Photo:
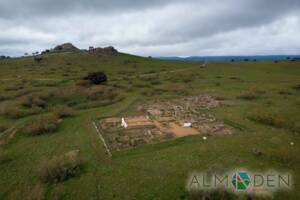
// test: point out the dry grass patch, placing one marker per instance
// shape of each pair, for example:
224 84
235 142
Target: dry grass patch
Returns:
268 117
251 94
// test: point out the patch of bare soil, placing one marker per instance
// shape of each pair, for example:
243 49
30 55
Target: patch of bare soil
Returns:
176 129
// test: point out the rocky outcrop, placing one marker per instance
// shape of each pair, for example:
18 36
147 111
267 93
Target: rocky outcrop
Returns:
69 47
66 47
103 51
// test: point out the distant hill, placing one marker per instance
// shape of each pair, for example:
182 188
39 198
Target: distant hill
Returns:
234 58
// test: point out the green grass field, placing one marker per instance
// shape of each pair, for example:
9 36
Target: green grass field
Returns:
263 108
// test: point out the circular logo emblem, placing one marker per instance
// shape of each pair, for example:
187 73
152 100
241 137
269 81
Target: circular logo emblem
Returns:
240 180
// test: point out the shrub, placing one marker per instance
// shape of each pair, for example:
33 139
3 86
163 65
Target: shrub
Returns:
3 97
4 157
83 83
67 94
186 79
37 59
13 112
297 87
248 95
155 82
96 77
285 92
63 111
14 87
268 118
60 168
3 128
42 125
33 101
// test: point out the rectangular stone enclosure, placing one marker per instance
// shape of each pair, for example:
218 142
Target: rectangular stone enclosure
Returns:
162 121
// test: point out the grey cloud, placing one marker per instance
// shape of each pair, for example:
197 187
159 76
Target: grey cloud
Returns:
44 8
156 27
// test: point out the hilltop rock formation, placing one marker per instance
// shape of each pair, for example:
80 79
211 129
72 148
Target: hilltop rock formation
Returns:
66 47
103 51
69 47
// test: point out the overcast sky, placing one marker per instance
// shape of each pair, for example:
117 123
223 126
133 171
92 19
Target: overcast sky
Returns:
153 27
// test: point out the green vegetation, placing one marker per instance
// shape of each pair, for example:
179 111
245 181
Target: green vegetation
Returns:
50 99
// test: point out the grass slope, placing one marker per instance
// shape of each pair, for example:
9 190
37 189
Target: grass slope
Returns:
157 171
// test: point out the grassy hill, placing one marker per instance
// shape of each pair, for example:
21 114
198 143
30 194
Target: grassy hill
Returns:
46 111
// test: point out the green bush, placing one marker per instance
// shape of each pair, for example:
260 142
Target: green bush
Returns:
60 168
268 118
42 125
